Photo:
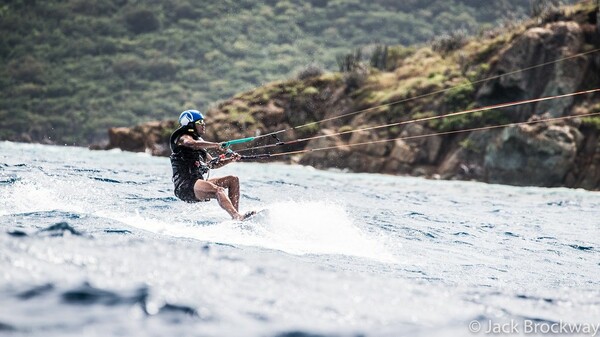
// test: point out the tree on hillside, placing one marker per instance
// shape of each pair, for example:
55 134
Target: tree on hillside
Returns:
141 21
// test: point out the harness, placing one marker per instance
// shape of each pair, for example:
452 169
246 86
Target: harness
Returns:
187 163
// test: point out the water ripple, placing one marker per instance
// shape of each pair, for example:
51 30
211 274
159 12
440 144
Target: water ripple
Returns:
88 295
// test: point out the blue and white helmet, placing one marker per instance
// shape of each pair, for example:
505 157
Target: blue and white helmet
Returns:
189 116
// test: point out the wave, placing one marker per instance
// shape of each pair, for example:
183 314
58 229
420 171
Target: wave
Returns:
293 227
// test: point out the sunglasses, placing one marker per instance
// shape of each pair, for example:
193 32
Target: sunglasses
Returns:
200 122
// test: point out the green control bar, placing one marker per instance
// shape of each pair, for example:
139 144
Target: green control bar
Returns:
236 141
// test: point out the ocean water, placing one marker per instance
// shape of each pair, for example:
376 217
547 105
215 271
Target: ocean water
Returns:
95 244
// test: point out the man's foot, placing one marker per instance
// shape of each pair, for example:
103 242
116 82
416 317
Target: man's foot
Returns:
248 215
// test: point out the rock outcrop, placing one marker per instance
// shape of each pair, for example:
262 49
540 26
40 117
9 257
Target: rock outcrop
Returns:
151 137
538 45
538 154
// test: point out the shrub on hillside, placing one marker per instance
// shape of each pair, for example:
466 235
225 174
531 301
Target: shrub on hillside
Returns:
26 69
312 70
350 62
153 69
127 66
141 21
379 57
30 90
356 78
446 43
185 11
160 69
396 54
459 97
92 8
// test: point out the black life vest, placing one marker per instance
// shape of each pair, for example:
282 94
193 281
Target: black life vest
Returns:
188 164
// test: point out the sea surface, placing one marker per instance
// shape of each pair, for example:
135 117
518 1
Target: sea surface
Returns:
93 243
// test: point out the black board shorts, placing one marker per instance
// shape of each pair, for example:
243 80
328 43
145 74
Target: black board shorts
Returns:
185 191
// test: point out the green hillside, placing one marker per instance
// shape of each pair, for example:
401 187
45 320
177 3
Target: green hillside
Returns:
70 69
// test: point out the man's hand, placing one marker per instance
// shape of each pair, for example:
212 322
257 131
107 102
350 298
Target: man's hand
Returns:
222 147
228 158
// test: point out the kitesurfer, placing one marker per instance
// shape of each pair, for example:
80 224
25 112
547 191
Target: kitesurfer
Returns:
191 161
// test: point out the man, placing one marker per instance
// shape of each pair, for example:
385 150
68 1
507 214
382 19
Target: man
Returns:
191 161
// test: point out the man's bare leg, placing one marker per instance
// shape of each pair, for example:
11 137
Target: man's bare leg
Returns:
232 184
206 189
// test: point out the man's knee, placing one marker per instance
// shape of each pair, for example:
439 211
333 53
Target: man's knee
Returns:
233 180
220 192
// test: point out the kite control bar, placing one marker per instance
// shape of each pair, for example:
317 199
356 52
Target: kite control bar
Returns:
236 141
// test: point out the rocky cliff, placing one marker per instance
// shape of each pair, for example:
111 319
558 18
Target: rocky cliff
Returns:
495 67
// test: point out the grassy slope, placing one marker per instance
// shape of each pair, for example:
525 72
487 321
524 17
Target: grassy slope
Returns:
70 69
